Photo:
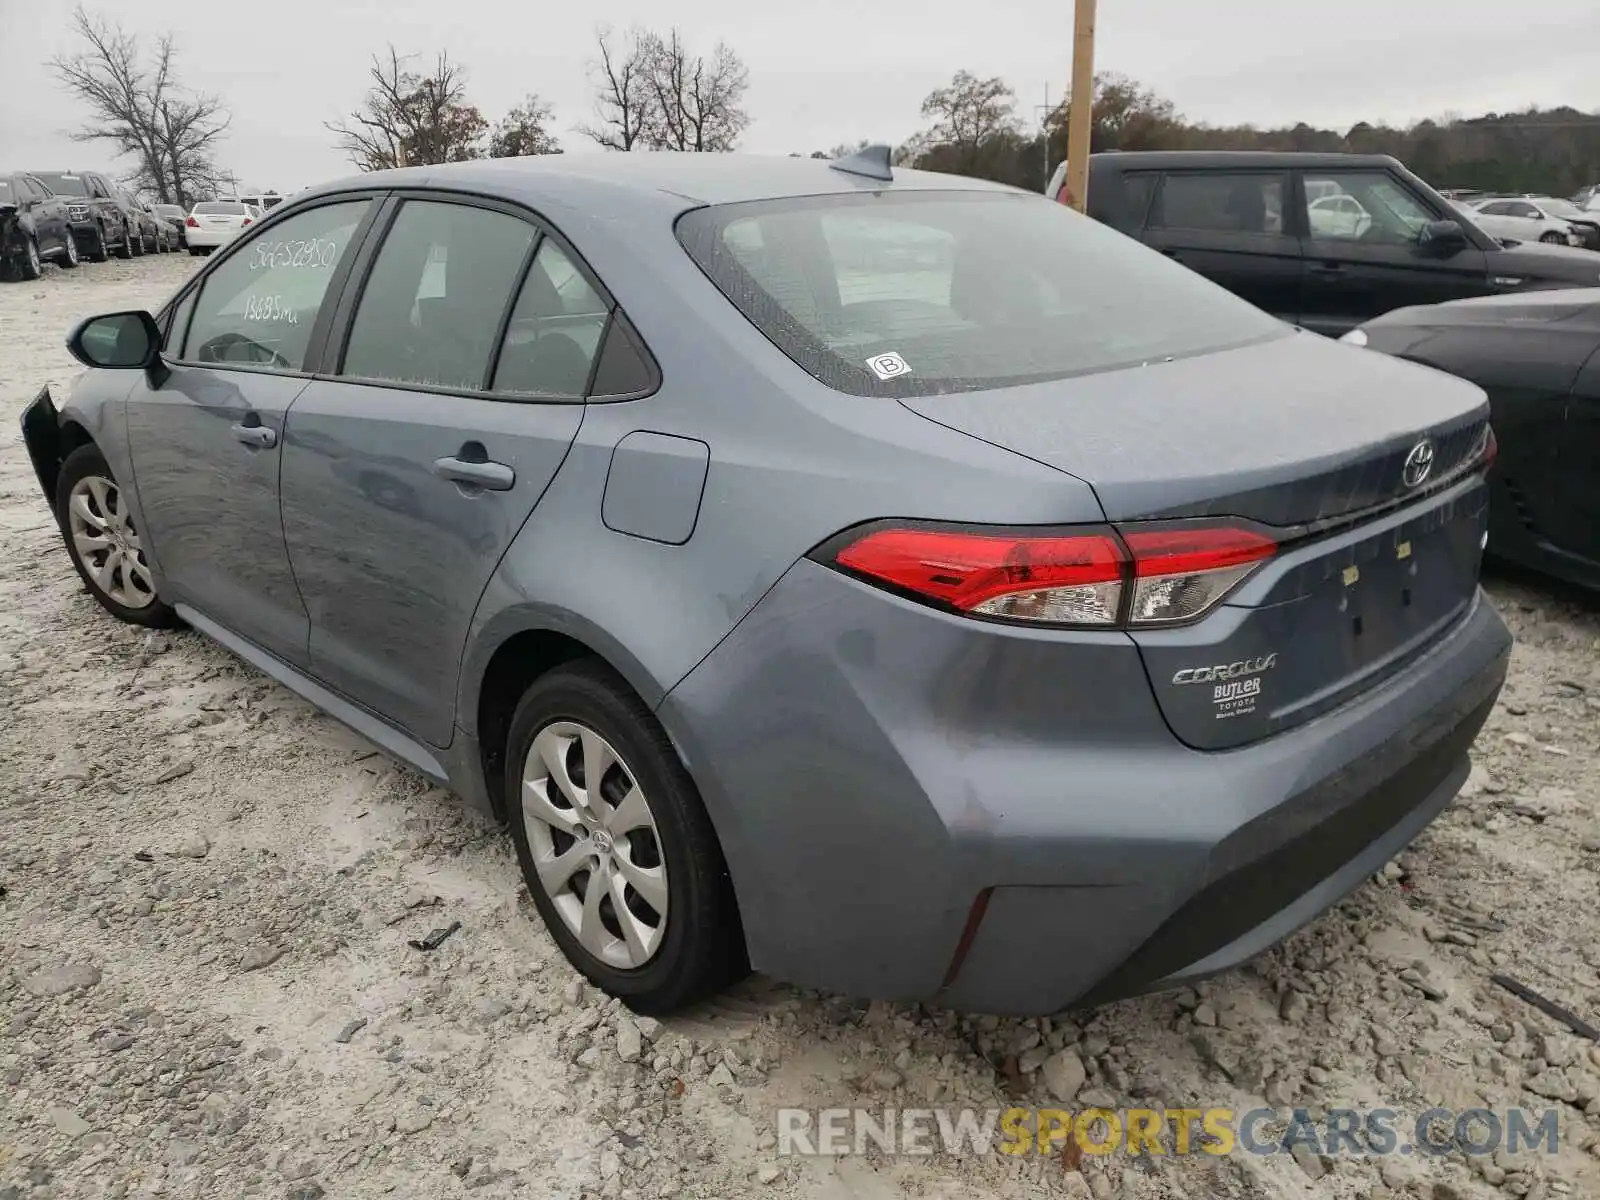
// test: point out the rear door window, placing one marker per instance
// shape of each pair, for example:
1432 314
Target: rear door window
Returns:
1215 202
919 292
436 297
1138 190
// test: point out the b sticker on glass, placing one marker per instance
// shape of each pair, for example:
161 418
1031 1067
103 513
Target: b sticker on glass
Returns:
888 366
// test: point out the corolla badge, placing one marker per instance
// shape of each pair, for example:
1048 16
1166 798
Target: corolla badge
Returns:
1233 670
1419 463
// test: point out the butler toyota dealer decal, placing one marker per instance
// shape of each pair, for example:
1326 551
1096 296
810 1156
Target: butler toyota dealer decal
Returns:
1235 686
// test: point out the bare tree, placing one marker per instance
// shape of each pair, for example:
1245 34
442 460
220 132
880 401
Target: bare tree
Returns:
969 112
407 119
137 105
622 101
523 131
694 101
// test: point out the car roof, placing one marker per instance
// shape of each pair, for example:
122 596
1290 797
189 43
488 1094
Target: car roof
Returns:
1144 160
650 180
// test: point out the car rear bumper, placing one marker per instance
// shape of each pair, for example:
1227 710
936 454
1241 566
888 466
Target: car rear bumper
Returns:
917 806
211 237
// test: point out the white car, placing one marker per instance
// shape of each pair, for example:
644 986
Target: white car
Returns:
213 223
1522 220
1338 215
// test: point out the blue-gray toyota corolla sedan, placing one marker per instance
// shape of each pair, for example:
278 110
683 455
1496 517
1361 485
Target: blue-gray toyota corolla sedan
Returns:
895 583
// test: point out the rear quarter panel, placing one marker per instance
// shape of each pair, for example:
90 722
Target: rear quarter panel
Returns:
791 462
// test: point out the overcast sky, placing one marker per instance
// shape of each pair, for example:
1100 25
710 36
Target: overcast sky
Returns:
821 71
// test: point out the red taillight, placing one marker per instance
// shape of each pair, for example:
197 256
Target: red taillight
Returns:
192 223
1491 448
246 221
1101 577
1072 580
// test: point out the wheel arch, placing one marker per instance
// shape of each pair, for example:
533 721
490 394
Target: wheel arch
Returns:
504 659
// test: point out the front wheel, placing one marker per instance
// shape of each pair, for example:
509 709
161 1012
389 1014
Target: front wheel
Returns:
105 546
30 265
98 252
125 246
615 845
1553 239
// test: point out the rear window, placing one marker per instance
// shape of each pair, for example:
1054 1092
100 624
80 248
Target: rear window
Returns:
916 293
64 185
220 208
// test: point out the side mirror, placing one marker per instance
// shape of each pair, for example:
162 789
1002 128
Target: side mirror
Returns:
117 341
1442 238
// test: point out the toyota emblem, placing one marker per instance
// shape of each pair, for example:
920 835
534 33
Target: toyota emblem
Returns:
1418 464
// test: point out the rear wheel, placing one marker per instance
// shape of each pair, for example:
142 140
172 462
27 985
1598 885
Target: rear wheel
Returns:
105 546
615 845
195 251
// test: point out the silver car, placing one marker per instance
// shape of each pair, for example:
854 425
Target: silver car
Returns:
896 583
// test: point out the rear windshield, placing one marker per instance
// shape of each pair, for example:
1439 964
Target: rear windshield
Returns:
221 208
169 210
64 185
915 293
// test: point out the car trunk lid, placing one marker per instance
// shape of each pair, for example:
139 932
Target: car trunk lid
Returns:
1317 442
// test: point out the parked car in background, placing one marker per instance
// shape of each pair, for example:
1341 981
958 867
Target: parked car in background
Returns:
1521 220
263 201
149 229
1587 224
99 223
213 223
176 218
35 227
171 223
1586 197
1537 356
1242 219
872 685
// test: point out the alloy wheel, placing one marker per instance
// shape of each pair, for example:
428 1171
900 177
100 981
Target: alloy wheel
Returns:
595 844
35 268
107 543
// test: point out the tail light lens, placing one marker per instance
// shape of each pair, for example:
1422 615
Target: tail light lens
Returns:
246 221
1135 576
1488 448
192 223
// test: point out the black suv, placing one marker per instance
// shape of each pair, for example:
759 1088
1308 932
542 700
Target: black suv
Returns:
34 226
99 222
1325 241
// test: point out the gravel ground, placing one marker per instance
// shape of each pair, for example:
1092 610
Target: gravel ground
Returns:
206 987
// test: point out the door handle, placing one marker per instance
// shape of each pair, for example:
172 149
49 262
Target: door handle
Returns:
259 436
495 477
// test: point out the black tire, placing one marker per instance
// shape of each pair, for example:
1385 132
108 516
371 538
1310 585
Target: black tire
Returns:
98 252
194 251
1553 239
702 949
83 463
69 252
29 265
125 246
136 241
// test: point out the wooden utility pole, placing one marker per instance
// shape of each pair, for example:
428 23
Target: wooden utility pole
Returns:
1080 116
